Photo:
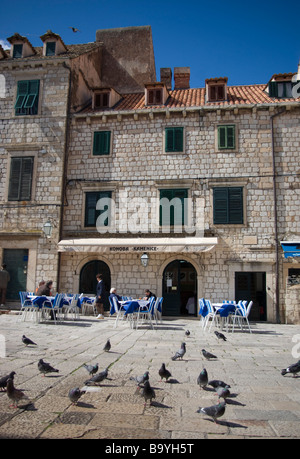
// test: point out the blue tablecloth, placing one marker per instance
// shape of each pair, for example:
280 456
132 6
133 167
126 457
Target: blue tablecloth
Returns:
227 309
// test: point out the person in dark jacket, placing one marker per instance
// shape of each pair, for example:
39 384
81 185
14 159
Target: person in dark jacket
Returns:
100 296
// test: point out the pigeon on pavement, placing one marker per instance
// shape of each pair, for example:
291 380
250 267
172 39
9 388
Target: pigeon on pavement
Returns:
215 383
75 394
220 336
27 341
148 392
92 369
202 379
46 368
208 355
97 378
15 395
3 380
223 392
214 411
179 354
107 346
294 369
141 379
187 333
164 373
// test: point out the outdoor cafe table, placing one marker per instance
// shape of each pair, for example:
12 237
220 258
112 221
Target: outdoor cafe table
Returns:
132 306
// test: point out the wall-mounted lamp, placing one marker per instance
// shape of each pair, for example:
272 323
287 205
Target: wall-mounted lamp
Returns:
47 228
144 259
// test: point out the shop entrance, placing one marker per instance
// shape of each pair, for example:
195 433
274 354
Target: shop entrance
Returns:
179 289
16 261
251 286
88 282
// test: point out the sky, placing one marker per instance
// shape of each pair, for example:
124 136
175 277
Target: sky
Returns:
245 41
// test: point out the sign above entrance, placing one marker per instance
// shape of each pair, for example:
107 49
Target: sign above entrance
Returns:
137 245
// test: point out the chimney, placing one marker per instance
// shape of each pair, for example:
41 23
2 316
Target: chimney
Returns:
166 77
182 77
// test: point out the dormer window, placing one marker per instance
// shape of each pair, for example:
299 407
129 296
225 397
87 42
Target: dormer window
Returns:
50 48
281 85
156 94
216 89
105 98
17 51
101 100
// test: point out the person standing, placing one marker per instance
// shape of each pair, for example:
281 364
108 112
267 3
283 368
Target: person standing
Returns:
4 279
100 296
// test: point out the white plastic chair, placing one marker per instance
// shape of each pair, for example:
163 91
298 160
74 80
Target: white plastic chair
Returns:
144 314
55 307
118 310
157 309
241 314
27 307
72 307
86 305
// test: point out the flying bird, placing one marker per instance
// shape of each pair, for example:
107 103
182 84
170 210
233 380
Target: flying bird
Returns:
148 392
202 379
15 395
208 355
4 379
214 411
107 346
220 336
75 394
179 354
46 368
27 341
294 369
164 373
91 369
74 29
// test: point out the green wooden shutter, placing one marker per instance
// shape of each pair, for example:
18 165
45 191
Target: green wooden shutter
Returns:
230 136
273 89
21 94
27 97
235 211
228 205
91 213
222 137
176 212
226 137
101 144
220 203
20 180
174 139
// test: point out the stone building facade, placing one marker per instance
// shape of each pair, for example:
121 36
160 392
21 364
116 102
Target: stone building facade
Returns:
225 156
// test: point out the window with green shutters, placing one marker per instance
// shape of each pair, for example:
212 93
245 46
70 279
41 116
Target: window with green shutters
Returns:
27 97
173 209
20 180
101 145
174 139
282 89
228 205
97 214
226 137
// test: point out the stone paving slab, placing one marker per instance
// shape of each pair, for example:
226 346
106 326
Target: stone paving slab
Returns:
263 403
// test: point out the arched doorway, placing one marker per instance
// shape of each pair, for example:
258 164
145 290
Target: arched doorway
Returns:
88 282
179 289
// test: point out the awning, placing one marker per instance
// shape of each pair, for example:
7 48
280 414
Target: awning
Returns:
135 245
291 248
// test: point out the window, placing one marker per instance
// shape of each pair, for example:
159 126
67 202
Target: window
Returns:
102 100
173 207
101 145
228 205
18 51
97 209
174 139
27 97
216 92
50 48
20 179
281 89
154 96
226 137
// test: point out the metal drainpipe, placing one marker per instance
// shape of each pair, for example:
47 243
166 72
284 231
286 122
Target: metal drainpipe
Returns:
275 219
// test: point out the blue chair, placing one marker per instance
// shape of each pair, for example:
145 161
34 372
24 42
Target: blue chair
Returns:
71 305
53 308
26 305
157 309
241 314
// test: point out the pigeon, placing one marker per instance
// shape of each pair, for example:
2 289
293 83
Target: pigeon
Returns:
187 333
220 336
74 29
97 378
15 395
294 369
92 369
107 346
223 392
179 354
202 379
208 355
27 341
215 383
45 367
214 411
148 392
75 394
3 380
163 372
141 379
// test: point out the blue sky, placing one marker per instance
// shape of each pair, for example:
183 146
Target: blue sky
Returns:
246 41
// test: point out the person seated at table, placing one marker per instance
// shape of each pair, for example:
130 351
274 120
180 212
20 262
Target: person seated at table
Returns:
45 289
148 295
113 294
41 284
